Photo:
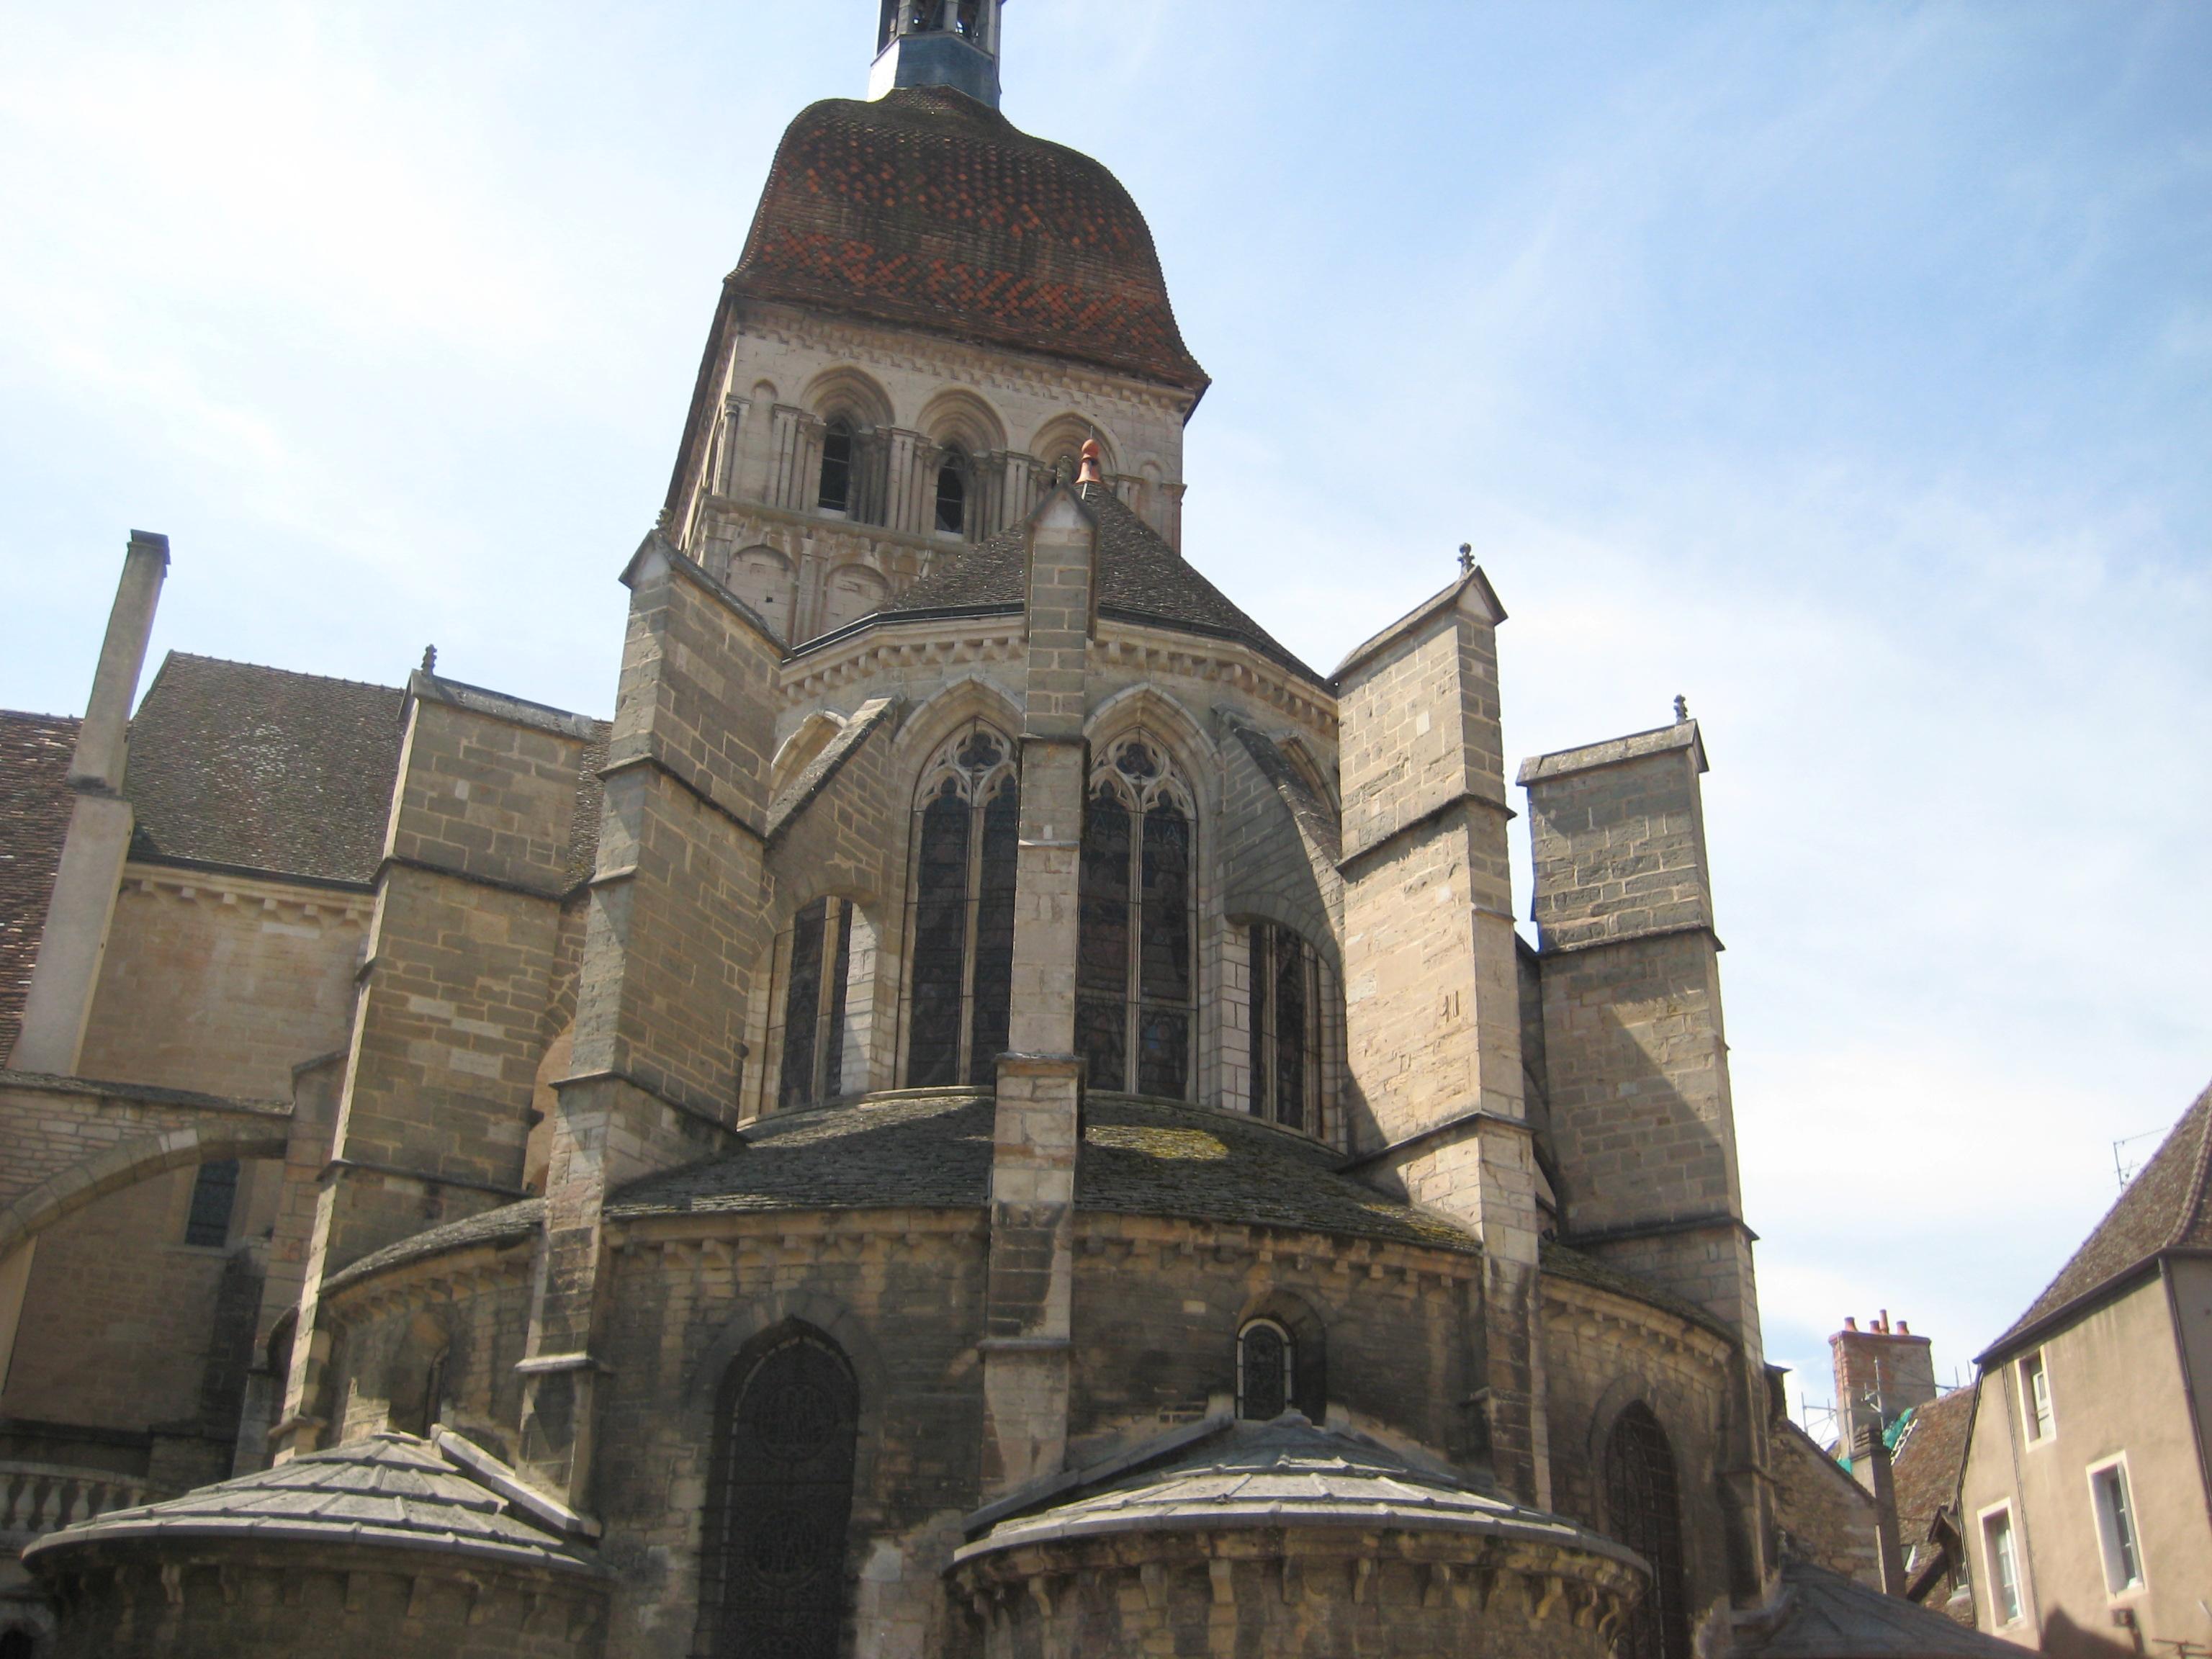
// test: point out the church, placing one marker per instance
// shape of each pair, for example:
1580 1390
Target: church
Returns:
990 1110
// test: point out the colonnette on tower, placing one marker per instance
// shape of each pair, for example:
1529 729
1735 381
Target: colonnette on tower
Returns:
990 1110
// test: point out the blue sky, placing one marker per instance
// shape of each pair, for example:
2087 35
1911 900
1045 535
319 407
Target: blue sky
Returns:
1846 368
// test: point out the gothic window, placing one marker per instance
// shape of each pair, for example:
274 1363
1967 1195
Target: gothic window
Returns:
1135 981
1265 1367
814 1005
952 493
214 1194
1284 1023
773 1578
1644 1507
836 493
967 833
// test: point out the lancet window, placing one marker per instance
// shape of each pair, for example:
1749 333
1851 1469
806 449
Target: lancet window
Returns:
952 493
1135 975
1265 1366
1644 1505
214 1195
815 1034
1285 1019
773 1576
835 493
966 837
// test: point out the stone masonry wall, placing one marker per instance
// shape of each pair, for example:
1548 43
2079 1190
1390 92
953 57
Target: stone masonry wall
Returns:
1828 1516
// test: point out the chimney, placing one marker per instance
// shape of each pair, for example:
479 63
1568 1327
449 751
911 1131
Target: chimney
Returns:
1881 1373
1870 1468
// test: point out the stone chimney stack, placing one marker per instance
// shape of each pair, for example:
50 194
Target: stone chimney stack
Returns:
100 824
1870 1468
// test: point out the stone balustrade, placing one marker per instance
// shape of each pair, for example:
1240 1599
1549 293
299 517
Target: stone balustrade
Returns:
37 1498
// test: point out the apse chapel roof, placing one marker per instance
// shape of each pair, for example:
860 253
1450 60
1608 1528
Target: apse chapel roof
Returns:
927 208
1140 579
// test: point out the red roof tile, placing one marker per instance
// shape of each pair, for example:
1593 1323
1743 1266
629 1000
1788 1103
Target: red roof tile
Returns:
35 801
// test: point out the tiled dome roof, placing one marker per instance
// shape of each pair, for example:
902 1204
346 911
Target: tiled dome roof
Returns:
925 208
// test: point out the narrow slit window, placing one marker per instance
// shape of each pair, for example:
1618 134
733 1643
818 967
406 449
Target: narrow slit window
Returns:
815 1002
1135 983
968 840
214 1195
952 494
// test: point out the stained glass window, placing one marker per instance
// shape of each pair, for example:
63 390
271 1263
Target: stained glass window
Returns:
1644 1506
1134 974
968 839
773 1579
1284 1023
814 1034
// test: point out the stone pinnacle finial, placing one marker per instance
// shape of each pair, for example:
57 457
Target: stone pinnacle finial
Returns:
429 659
1089 473
1681 709
1466 558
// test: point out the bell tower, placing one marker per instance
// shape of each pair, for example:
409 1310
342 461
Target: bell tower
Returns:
938 43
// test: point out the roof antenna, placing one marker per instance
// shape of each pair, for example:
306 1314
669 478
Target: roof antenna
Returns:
429 659
1466 558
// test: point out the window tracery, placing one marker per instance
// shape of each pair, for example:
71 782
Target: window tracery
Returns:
773 1579
1643 1502
967 836
1265 1368
1285 1014
1135 982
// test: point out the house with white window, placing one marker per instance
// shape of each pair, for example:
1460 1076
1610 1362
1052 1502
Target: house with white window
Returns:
2085 1505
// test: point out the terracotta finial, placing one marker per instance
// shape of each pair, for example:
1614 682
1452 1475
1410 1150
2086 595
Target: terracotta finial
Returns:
1089 473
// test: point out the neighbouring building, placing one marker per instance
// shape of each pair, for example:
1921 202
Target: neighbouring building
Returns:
990 1109
2085 1505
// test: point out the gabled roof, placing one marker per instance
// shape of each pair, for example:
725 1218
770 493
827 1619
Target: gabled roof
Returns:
2163 1208
35 802
262 769
1140 579
1926 1464
928 209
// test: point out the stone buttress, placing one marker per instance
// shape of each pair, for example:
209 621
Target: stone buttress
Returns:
1637 1057
1432 1019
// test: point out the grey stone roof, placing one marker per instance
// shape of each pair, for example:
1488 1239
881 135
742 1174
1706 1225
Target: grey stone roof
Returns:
1140 579
2167 1205
1557 1259
1819 1614
1290 1473
390 1491
1139 1158
262 769
505 1225
35 805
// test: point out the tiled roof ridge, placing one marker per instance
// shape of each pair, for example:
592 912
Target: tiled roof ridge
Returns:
272 668
2135 1229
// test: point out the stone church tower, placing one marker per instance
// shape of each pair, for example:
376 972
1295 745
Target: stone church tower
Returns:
991 1110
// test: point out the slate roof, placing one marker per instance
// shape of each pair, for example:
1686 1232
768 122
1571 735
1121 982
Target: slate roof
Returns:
508 1223
1556 1258
1925 1467
262 769
35 802
1819 1614
1290 1473
390 1491
1140 579
2163 1208
1139 1158
927 208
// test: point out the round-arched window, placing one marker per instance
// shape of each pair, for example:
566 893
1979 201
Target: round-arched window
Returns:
1265 1366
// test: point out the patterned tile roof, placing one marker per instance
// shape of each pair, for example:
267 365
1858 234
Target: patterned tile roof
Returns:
35 802
262 769
390 1490
928 209
2164 1207
1139 1158
1140 579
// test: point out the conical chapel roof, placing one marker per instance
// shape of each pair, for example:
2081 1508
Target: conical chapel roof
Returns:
927 208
